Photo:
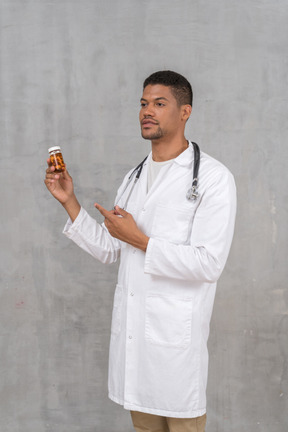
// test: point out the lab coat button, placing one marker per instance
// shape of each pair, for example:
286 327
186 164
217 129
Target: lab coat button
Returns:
143 209
130 337
131 294
134 251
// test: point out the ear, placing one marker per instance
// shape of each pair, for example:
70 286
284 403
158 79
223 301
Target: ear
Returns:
186 112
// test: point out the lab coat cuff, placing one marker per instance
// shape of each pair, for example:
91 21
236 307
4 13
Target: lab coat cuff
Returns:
72 228
148 265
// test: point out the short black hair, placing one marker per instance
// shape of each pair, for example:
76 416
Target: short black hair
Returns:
180 86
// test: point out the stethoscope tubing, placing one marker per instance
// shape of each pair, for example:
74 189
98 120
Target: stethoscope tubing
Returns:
192 193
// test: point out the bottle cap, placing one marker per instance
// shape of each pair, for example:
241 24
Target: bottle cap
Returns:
54 148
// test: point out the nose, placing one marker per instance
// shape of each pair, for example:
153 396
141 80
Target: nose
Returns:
148 110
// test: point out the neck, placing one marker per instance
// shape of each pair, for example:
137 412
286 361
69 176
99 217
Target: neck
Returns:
163 151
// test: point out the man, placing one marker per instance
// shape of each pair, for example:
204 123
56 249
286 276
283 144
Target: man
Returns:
172 250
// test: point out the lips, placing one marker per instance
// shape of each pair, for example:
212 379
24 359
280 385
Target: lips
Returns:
148 122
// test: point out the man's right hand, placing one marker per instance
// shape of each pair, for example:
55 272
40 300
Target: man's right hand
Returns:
60 185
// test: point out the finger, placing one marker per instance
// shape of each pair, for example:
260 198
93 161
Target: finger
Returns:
49 163
65 173
52 177
50 169
120 211
116 212
49 183
50 172
103 211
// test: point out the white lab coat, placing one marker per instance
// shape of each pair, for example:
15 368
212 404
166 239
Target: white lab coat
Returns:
163 299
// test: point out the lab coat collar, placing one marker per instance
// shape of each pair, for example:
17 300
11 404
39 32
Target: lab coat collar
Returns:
184 159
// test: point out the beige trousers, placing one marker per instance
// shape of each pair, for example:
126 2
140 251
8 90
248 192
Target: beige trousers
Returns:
152 423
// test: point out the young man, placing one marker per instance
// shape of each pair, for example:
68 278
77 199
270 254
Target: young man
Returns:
173 250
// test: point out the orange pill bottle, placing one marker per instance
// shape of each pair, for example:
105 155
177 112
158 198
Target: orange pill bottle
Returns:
56 158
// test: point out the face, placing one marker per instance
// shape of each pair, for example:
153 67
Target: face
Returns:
160 116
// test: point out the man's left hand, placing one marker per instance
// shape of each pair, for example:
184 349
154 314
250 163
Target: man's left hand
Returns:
122 226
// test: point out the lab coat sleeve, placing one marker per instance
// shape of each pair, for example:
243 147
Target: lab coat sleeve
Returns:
211 236
94 238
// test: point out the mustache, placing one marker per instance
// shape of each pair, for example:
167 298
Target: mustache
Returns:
150 120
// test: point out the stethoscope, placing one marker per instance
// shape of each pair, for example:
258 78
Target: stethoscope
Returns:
192 193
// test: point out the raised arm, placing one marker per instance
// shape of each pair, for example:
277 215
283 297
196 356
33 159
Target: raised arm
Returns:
60 185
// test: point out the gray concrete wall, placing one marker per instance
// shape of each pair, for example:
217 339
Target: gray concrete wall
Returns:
71 74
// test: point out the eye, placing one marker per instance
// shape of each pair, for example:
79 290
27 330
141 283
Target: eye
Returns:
143 104
160 104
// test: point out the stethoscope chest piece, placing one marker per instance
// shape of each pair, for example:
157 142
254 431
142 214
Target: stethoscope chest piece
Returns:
192 194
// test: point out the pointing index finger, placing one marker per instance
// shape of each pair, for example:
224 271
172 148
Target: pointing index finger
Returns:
103 211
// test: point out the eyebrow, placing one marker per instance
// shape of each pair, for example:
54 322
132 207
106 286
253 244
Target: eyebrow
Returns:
156 99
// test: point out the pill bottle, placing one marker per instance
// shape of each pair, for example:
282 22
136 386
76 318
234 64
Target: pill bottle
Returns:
56 158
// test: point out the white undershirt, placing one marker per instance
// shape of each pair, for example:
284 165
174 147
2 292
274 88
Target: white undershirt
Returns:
154 169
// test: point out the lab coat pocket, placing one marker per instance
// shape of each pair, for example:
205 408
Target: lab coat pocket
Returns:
168 320
172 224
117 310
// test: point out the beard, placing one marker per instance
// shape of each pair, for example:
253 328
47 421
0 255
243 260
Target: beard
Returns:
152 135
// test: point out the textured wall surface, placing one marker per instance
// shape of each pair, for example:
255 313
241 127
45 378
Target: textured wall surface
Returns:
71 74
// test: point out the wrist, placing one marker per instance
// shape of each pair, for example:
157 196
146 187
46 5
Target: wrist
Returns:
142 242
145 243
72 207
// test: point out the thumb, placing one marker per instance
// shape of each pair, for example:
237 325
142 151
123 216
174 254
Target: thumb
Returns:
120 211
65 174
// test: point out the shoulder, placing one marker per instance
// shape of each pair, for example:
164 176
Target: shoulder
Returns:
215 178
211 166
